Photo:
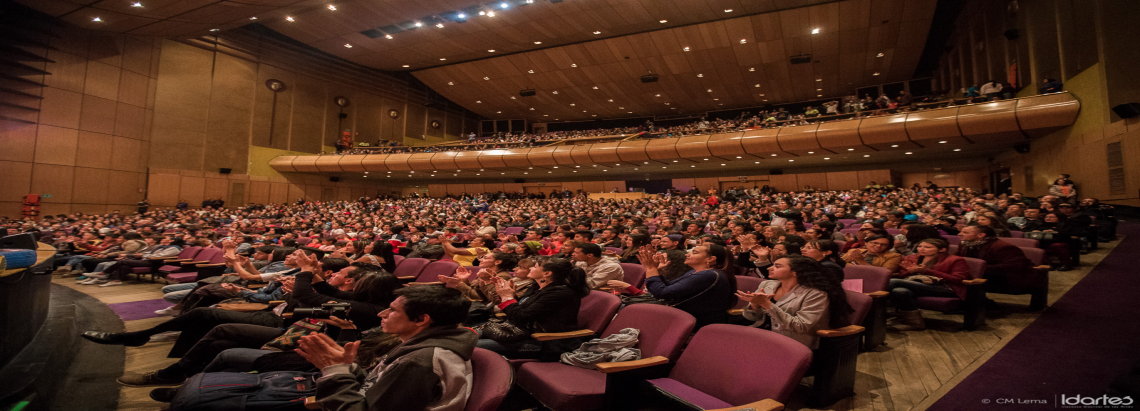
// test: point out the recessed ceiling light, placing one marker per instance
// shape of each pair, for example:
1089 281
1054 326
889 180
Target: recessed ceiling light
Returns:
791 161
827 158
595 87
773 155
418 24
253 18
490 14
666 104
757 162
762 95
716 99
210 29
700 75
909 152
478 102
879 55
573 65
611 100
752 69
450 83
942 142
347 46
388 36
532 109
850 149
663 21
866 155
686 49
498 112
287 18
99 20
440 25
811 152
538 42
136 4
571 104
757 85
709 90
593 115
957 149
504 5
443 59
743 41
894 145
814 31
482 13
554 92
462 16
765 100
621 108
876 73
728 10
407 65
486 78
723 164
513 98
332 7
597 32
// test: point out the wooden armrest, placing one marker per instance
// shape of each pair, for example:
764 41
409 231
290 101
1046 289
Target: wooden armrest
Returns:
188 262
840 332
500 314
275 303
311 403
611 367
1043 267
255 286
211 265
163 258
762 405
878 294
177 260
425 283
559 336
407 278
976 281
736 311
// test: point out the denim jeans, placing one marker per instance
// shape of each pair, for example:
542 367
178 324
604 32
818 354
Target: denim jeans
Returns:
235 360
904 293
174 293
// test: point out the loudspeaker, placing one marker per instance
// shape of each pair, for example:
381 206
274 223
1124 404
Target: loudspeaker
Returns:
342 116
1127 110
651 78
527 92
1011 34
520 180
1022 148
334 179
224 170
19 241
776 172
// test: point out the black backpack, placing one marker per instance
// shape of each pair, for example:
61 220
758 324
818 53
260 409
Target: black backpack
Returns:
278 390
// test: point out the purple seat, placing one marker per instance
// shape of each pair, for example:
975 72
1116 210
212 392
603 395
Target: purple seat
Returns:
1035 255
596 310
614 250
714 372
973 306
1022 242
953 239
952 249
410 268
746 283
397 259
851 231
894 231
874 278
491 380
433 270
847 221
562 387
634 274
304 241
1017 234
834 362
512 230
841 243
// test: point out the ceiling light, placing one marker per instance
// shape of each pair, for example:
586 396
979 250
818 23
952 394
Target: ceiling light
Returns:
532 109
498 112
743 41
538 42
595 87
571 104
876 73
757 85
332 7
597 32
728 10
957 149
666 104
490 14
850 149
546 115
593 115
482 13
791 161
709 90
827 158
418 24
942 142
686 49
894 145
811 152
287 18
99 19
443 59
762 95
486 78
879 55
773 155
573 65
347 46
765 99
530 71
210 29
723 164
388 36
491 51
513 98
136 4
478 102
700 75
866 155
554 92
909 152
529 1
504 5
621 108
716 99
462 16
440 25
406 65
253 18
611 100
663 21
752 69
814 31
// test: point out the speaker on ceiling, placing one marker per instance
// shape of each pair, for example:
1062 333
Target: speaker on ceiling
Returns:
1011 34
334 179
527 92
1022 148
776 172
520 180
1127 110
649 78
224 170
342 116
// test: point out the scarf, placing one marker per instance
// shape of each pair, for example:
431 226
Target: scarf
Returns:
972 247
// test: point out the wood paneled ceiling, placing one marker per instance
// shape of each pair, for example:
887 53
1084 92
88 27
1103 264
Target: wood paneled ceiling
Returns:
735 62
167 18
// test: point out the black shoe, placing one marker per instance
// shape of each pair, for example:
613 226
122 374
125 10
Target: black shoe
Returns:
163 394
149 379
113 339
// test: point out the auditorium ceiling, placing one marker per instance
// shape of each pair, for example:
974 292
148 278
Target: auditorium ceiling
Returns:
583 58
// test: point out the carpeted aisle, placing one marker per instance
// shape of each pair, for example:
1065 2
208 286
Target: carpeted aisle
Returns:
1076 347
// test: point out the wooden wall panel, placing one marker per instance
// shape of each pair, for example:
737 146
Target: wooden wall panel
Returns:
843 180
683 184
573 186
705 183
258 192
279 193
455 189
437 190
512 187
52 179
493 187
877 176
784 183
192 189
593 186
474 189
611 185
817 181
217 187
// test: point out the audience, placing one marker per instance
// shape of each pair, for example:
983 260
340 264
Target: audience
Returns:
797 300
930 272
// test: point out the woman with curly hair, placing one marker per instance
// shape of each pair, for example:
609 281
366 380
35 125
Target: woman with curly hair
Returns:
798 299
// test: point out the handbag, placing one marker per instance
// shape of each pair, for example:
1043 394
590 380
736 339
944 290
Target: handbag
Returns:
502 330
1039 236
288 340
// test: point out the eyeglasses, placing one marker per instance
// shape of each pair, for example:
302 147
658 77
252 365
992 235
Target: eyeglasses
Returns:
879 244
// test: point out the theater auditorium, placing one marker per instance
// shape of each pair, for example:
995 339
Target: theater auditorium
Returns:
569 205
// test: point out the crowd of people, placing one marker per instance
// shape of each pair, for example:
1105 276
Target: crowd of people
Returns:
393 339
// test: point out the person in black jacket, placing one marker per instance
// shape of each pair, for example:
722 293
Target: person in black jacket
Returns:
550 308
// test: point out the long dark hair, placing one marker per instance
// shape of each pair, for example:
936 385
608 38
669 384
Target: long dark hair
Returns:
507 261
639 240
383 249
828 245
810 274
723 262
280 253
676 267
919 232
375 286
565 273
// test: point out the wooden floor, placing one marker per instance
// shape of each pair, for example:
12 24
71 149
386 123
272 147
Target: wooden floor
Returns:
910 372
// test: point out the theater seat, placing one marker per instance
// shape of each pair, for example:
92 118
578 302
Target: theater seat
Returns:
410 268
875 283
973 307
634 274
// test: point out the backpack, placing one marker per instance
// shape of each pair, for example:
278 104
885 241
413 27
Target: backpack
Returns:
278 390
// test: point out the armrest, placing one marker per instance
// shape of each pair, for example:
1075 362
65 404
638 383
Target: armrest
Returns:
840 332
1043 267
425 283
501 315
762 405
163 258
255 286
211 265
188 262
976 281
275 303
878 294
311 403
177 260
407 278
612 367
736 311
559 336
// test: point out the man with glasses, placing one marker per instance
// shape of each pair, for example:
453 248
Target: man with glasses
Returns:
877 253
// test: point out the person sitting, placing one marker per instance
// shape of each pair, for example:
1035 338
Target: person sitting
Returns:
464 256
929 272
1064 190
826 252
705 291
430 248
877 253
991 221
552 307
431 370
1006 264
599 269
911 234
492 266
1053 234
797 300
633 244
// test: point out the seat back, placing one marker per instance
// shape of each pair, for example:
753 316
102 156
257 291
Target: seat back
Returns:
952 250
597 309
953 239
634 274
433 270
851 231
847 221
664 329
715 363
874 278
746 283
304 241
513 230
859 302
894 231
1035 255
491 378
396 260
614 250
1022 242
1017 234
977 267
411 267
189 252
211 256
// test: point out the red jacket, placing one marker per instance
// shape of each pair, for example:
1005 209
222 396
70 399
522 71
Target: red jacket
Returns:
951 269
1008 261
